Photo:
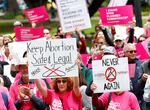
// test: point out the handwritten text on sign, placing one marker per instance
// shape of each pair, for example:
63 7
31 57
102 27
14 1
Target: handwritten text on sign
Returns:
53 58
116 15
111 74
73 14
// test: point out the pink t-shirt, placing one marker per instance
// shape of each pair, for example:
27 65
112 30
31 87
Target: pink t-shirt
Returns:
11 105
125 101
54 101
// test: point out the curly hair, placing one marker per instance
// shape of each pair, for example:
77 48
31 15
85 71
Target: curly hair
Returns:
69 84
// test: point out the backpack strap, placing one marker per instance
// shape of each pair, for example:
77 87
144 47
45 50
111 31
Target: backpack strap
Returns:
5 99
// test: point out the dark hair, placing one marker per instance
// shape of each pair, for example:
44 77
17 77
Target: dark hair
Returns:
2 63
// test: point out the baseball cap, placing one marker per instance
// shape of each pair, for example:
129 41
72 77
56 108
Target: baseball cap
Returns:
117 37
109 49
148 46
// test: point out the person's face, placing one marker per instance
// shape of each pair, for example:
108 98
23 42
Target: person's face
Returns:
61 84
98 44
100 34
131 53
24 71
47 35
119 43
6 40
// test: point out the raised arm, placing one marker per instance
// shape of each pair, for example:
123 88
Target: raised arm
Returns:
76 86
42 89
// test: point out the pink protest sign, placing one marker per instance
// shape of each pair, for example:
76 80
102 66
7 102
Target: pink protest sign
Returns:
86 57
37 15
26 34
142 50
131 70
116 15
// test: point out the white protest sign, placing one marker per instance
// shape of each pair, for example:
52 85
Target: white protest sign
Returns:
111 74
7 72
73 14
117 3
17 50
121 30
138 31
52 58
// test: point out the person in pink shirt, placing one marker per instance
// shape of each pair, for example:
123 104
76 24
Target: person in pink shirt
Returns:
65 94
4 91
121 100
24 92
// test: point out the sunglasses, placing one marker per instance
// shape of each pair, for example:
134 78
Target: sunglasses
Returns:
61 81
46 33
118 40
132 51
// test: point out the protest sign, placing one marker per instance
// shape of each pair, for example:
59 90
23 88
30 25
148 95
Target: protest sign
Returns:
26 34
73 14
86 58
37 15
142 50
7 72
109 75
116 15
17 50
52 58
117 3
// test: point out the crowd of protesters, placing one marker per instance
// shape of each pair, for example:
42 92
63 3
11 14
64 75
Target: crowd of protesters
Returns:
77 93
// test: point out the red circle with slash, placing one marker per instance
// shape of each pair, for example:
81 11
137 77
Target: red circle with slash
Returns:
110 74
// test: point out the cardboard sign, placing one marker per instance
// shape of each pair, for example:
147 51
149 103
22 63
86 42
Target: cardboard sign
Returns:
37 15
52 58
116 15
73 14
26 34
109 75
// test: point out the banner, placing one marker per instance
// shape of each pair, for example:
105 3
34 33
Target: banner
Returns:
52 58
37 15
109 75
116 15
26 34
73 14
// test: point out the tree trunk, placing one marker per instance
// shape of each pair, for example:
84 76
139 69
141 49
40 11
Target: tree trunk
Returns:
12 6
